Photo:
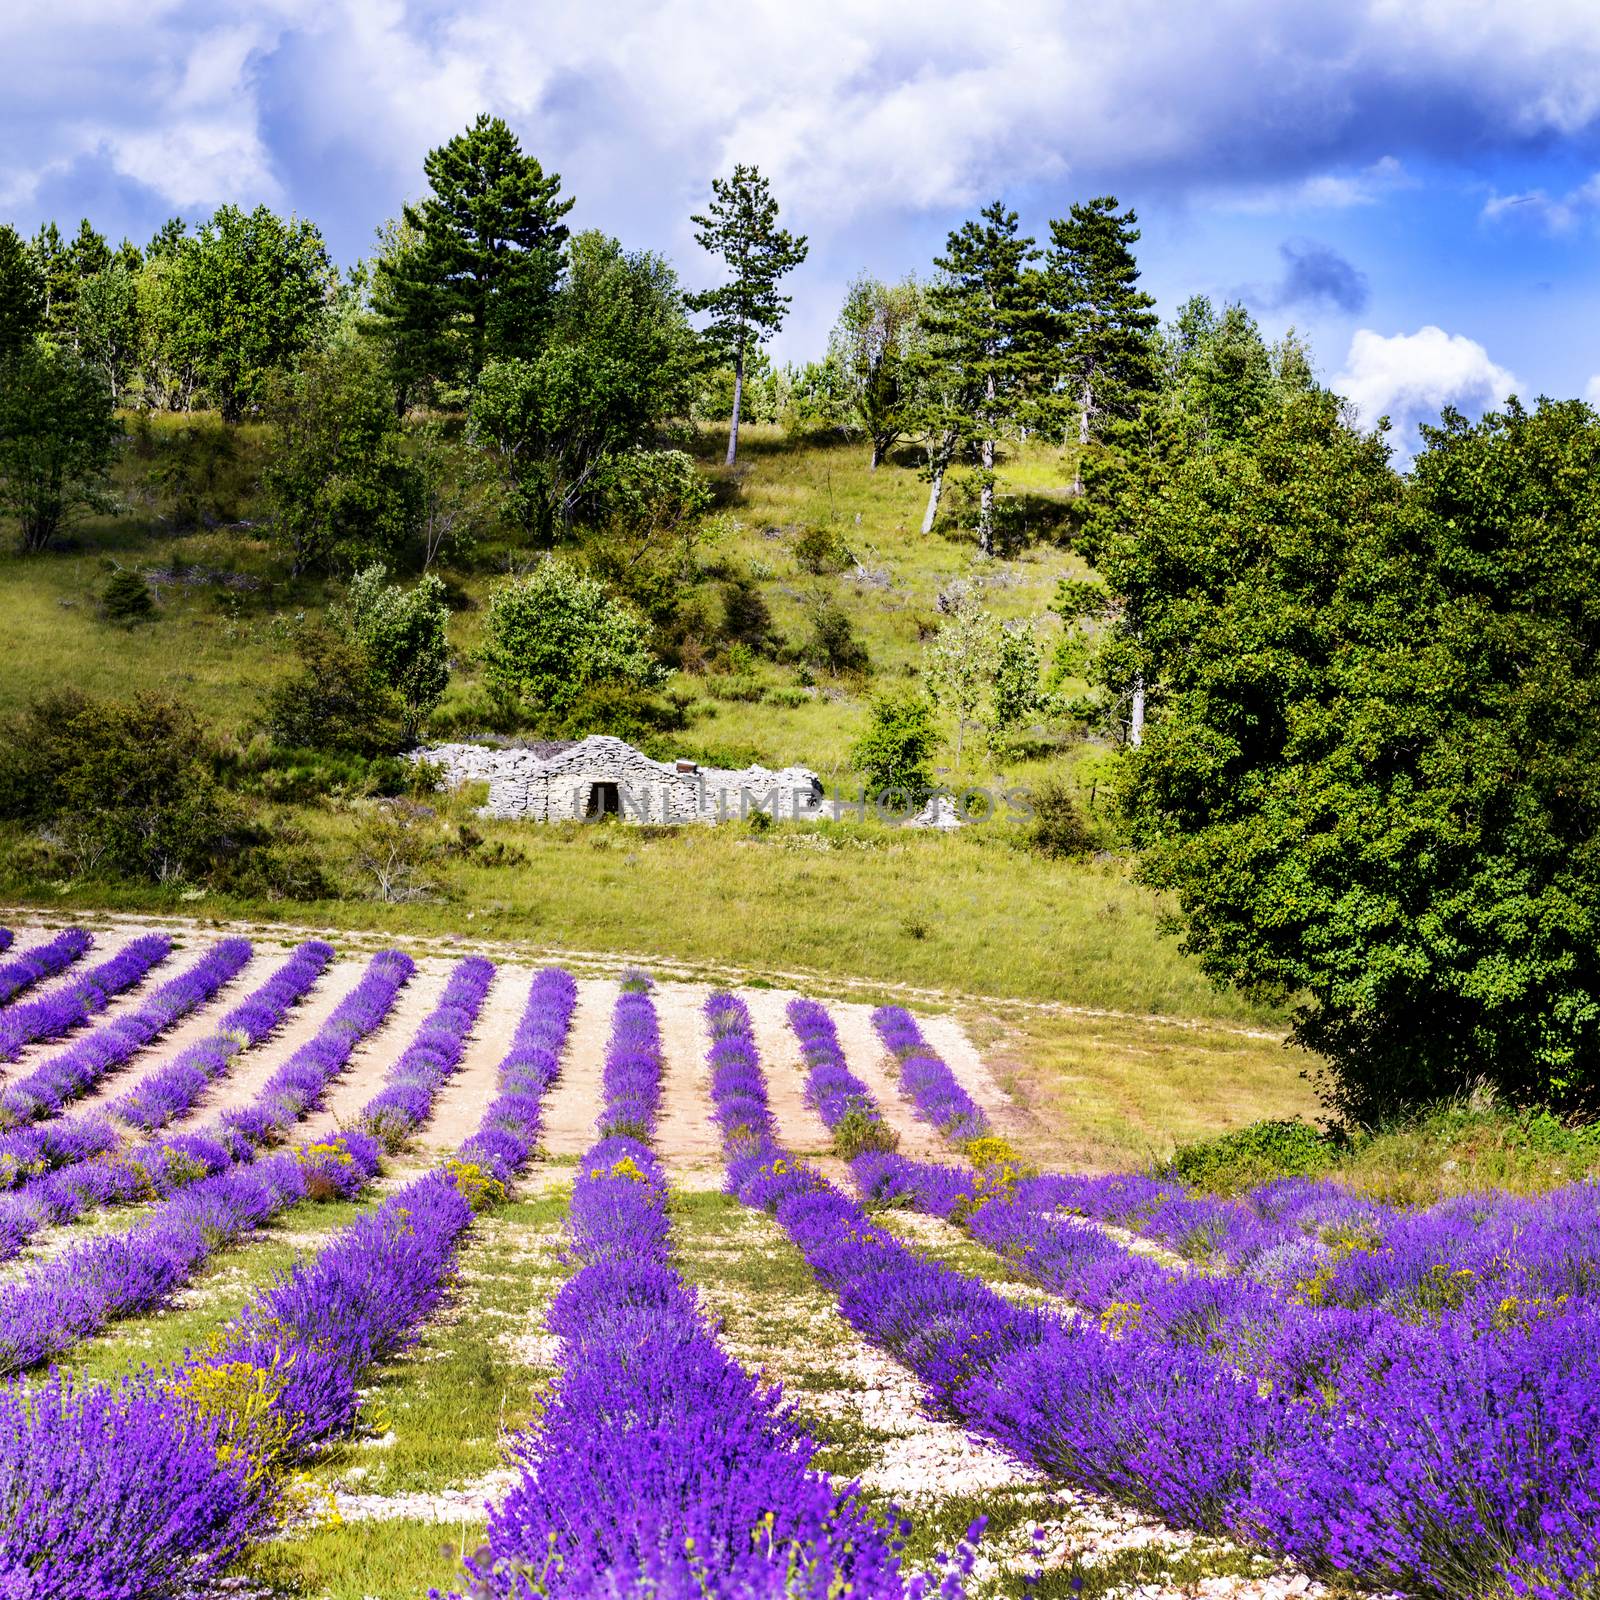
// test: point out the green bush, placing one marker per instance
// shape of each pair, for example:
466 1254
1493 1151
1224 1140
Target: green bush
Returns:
1059 829
746 617
896 751
820 551
858 1131
121 788
403 633
126 597
336 700
1255 1154
555 635
833 645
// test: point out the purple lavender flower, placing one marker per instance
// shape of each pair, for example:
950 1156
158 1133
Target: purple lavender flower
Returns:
44 961
81 997
171 1090
82 1064
926 1080
406 1100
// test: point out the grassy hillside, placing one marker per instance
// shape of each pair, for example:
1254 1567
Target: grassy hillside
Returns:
975 912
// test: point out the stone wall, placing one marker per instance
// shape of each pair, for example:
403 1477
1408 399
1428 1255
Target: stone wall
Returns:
558 787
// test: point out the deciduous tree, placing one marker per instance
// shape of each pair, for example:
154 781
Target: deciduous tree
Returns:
341 487
1370 773
553 635
875 346
248 293
56 435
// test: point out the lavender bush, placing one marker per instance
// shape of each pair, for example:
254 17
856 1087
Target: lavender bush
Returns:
82 1064
43 961
172 1090
926 1080
661 1466
74 1002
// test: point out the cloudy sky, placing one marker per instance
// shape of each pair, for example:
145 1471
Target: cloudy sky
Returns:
1415 184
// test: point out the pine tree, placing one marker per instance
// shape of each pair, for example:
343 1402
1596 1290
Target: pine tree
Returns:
481 277
741 226
52 260
983 317
21 293
1102 323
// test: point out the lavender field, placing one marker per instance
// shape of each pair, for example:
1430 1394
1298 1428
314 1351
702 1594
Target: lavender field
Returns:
337 1272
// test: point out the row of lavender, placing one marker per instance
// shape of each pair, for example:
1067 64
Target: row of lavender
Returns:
158 1485
42 961
661 1466
1403 1419
81 996
1490 1258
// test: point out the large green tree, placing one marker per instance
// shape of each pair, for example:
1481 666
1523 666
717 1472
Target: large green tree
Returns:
56 436
1101 323
471 273
741 226
244 296
21 293
984 320
619 359
1372 770
341 487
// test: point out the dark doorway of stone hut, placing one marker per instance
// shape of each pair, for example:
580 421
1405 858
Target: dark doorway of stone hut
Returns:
605 800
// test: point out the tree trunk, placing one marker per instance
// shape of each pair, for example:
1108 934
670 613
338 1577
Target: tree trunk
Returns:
1085 402
935 489
738 395
1136 717
877 456
986 501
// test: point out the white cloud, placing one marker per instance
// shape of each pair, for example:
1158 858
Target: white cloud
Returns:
1554 213
1591 390
903 104
1411 377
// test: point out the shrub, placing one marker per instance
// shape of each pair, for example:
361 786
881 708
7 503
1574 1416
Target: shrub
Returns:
1254 1154
337 700
746 617
396 847
833 645
820 551
124 787
556 633
126 596
896 751
858 1131
1059 829
403 633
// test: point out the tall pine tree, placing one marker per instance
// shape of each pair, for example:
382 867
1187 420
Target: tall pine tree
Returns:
483 255
983 316
741 226
1102 324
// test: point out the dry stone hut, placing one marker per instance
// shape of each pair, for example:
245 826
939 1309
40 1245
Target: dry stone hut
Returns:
601 776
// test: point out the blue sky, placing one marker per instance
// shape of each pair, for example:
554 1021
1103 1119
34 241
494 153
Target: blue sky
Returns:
1412 183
